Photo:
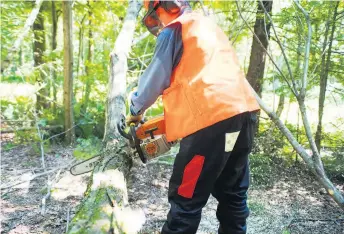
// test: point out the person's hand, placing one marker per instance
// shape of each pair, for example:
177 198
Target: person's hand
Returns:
133 119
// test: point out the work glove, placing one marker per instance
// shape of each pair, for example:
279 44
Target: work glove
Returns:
133 119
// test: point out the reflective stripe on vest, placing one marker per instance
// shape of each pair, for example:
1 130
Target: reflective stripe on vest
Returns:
208 85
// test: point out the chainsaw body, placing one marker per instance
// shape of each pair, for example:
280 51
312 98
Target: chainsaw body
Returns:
148 138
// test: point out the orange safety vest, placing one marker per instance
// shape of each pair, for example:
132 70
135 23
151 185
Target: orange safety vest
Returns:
207 86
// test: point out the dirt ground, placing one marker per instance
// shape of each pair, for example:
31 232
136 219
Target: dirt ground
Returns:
294 203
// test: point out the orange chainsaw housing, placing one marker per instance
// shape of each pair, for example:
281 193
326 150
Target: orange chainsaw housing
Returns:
158 123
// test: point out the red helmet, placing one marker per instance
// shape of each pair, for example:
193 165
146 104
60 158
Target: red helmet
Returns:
151 19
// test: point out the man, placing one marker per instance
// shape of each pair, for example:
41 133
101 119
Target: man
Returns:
208 104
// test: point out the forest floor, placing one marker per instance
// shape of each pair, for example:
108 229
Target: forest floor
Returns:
292 203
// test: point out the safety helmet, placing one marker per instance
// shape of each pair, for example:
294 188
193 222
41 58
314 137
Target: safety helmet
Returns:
151 19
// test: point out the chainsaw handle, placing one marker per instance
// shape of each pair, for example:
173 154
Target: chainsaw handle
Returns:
137 142
121 127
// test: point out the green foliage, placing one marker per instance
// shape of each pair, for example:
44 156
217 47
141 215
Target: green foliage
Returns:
91 122
270 141
106 22
8 146
87 148
18 109
13 78
334 164
37 147
263 170
334 139
156 109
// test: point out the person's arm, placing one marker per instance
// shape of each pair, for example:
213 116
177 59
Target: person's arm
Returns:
156 78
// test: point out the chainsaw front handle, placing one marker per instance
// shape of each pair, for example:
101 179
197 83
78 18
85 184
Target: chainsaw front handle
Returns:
121 128
137 143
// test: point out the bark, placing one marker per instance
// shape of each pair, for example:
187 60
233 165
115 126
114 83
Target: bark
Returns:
256 66
68 72
105 206
38 50
53 48
119 66
325 65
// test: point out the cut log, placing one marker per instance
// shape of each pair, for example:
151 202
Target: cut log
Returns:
105 206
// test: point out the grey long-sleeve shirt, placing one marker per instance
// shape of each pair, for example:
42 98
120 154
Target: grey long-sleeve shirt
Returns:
156 78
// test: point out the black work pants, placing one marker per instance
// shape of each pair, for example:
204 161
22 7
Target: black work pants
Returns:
213 161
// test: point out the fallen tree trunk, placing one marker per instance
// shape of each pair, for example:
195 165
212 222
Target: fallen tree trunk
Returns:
105 206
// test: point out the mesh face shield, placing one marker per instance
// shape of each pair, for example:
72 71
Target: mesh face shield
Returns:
151 19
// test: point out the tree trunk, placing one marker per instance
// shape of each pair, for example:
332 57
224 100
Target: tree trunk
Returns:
105 207
324 74
68 72
89 62
38 50
53 48
256 66
80 54
118 66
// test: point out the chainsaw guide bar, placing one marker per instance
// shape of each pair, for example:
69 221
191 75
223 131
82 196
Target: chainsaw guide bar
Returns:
84 166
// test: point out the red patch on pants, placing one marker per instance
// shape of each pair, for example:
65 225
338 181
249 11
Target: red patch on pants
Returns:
191 174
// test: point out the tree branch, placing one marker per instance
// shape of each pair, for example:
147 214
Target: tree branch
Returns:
272 60
281 47
307 50
319 174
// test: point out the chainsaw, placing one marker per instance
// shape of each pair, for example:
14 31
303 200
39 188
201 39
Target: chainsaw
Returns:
147 140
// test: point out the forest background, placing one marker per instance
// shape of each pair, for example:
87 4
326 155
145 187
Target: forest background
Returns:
57 74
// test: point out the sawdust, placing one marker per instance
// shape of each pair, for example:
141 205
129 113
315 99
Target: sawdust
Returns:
295 203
